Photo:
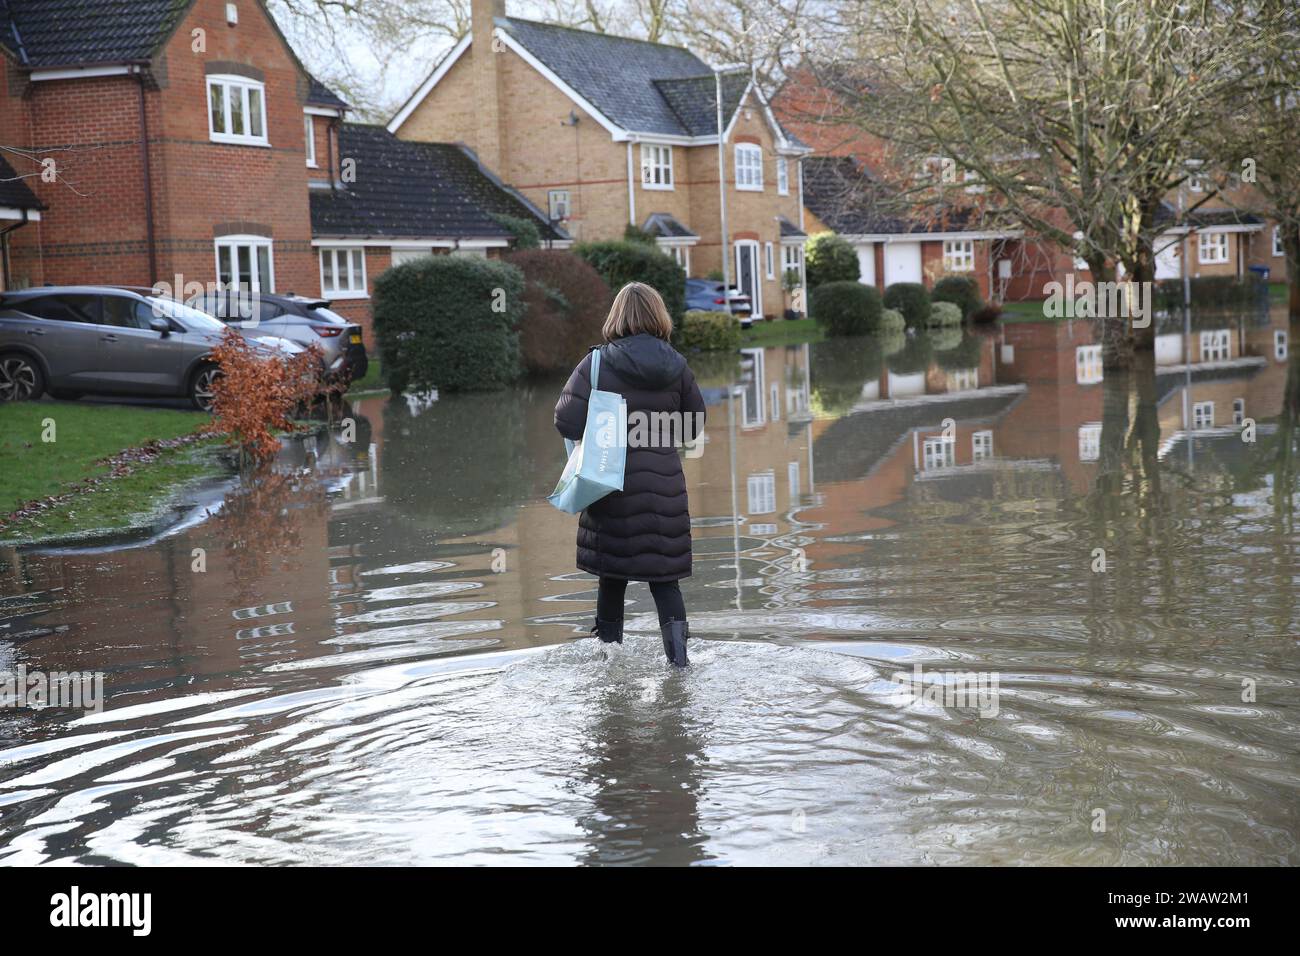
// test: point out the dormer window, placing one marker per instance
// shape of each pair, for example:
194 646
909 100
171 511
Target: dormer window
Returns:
749 167
237 111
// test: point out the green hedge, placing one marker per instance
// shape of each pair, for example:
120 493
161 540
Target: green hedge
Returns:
945 313
622 262
449 322
703 331
846 308
1212 293
912 299
961 291
839 372
830 258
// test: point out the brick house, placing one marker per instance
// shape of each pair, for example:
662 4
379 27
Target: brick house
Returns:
601 131
188 141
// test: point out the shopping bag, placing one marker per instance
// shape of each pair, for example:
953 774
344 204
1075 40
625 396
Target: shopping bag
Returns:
597 463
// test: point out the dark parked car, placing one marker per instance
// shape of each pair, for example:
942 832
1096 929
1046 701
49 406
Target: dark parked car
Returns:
708 296
296 318
77 340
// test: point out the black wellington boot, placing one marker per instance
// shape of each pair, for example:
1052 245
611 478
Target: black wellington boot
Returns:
676 634
609 632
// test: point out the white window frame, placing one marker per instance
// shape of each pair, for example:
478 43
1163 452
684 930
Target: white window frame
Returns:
782 176
1216 346
1087 365
769 260
959 255
256 282
938 453
309 125
1280 344
981 445
749 167
400 255
656 166
1212 248
1202 415
760 493
1238 411
243 87
1277 242
791 258
1090 441
351 256
555 204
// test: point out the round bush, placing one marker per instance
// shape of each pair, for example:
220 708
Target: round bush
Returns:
707 332
962 291
891 320
945 313
450 323
840 371
622 262
830 258
846 308
910 298
565 304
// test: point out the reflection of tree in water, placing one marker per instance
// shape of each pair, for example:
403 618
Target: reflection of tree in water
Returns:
261 521
643 771
840 368
456 467
964 354
943 338
913 357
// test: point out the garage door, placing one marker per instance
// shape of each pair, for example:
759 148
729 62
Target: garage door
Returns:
902 262
867 263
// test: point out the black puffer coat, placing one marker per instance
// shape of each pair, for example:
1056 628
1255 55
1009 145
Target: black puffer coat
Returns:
642 533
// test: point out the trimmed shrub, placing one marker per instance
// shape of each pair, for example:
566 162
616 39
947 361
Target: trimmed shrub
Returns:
634 233
565 304
830 258
910 298
526 233
707 332
1212 294
945 313
962 291
450 323
622 262
845 308
891 320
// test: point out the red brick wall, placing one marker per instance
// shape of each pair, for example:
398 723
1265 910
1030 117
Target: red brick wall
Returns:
96 232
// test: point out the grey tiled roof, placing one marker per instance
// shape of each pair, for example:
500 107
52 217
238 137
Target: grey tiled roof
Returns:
643 87
14 192
49 33
1203 218
662 225
318 94
844 195
789 230
408 189
694 100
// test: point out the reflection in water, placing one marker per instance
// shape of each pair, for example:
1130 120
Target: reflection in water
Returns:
379 661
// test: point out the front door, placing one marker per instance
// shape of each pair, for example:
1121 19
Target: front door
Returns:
747 274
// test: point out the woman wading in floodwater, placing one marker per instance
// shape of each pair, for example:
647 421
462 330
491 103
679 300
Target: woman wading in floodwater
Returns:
642 533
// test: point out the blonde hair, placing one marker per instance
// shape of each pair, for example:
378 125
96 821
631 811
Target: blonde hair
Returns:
637 309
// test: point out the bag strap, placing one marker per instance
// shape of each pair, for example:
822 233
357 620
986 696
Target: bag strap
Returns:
595 368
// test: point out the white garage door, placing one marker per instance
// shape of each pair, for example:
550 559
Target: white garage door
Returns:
1167 251
867 263
902 262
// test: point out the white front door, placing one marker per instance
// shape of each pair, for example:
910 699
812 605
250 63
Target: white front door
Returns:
867 263
747 280
902 262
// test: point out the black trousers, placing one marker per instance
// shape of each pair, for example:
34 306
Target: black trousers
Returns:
667 595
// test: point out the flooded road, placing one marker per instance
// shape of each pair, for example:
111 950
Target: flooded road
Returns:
379 655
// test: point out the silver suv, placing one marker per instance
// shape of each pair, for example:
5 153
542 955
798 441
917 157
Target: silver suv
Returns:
77 340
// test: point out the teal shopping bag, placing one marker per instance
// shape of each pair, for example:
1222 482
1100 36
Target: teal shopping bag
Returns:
596 464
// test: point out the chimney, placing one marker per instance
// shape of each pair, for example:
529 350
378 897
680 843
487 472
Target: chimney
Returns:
487 89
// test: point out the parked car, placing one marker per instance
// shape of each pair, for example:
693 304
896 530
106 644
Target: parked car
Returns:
296 318
78 340
710 295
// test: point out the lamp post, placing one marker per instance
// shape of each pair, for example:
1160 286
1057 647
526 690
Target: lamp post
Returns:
722 186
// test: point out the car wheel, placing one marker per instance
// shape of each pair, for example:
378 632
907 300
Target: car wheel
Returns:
65 395
202 394
21 379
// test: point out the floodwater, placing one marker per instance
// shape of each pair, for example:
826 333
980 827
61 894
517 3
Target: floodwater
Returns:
379 655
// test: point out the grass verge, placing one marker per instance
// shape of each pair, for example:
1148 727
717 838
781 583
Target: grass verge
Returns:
99 497
780 332
372 383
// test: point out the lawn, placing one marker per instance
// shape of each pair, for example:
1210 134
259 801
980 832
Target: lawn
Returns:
780 332
370 383
83 433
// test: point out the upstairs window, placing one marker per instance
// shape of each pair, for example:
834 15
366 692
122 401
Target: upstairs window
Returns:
557 201
656 166
749 167
782 176
310 130
237 111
